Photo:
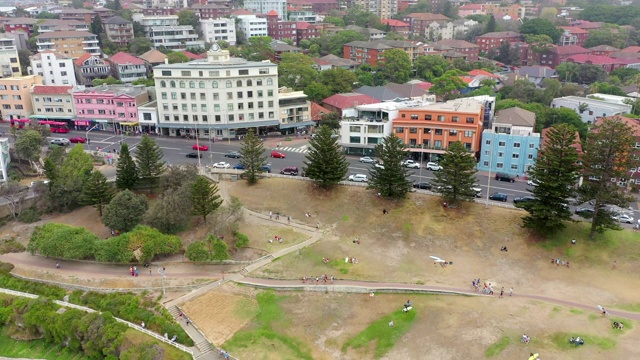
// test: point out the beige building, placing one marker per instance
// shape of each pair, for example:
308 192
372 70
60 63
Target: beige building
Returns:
15 96
9 60
71 43
51 102
385 9
295 113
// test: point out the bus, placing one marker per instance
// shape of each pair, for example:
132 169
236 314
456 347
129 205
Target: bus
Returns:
20 123
55 126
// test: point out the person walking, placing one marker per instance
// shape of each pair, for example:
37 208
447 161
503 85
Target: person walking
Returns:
501 292
57 265
510 291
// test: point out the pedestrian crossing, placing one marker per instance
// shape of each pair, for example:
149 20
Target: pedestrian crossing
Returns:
302 149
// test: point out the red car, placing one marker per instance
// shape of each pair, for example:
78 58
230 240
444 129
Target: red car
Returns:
77 139
200 147
277 154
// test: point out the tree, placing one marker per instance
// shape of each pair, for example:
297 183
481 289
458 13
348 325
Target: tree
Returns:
330 120
138 30
549 13
113 5
430 67
606 36
540 26
97 191
539 43
447 85
625 74
77 4
149 160
325 163
66 189
96 28
568 71
205 198
490 26
317 92
126 171
258 48
606 88
29 145
396 66
295 71
171 213
392 179
337 41
606 156
62 241
589 73
457 178
125 211
252 158
23 56
47 15
110 80
555 171
140 45
338 80
177 57
189 17
178 176
449 10
198 251
553 116
15 195
219 247
521 90
338 22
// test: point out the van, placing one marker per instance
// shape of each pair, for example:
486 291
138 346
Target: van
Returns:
290 170
505 177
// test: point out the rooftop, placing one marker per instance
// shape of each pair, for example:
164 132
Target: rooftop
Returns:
538 71
349 100
604 48
65 34
153 56
116 90
122 58
336 61
458 105
427 16
226 63
500 34
58 55
317 111
573 29
456 44
593 59
576 145
516 116
577 100
381 93
631 122
51 90
570 50
394 23
117 20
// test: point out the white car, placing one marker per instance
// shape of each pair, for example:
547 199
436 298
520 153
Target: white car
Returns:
411 164
221 165
532 182
378 165
623 218
33 183
358 178
433 166
367 160
60 141
477 191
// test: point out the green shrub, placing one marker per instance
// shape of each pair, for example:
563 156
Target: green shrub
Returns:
242 240
9 282
10 246
29 216
115 249
63 241
198 251
220 248
150 241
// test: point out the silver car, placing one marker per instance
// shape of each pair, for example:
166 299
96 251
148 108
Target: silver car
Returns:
367 160
358 178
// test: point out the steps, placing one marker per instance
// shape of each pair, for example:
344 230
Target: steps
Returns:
174 311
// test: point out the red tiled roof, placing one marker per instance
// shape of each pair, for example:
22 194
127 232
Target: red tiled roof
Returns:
425 85
570 50
51 89
81 59
393 22
470 7
477 72
302 25
631 49
349 100
574 30
272 13
466 79
191 55
122 58
593 59
427 16
632 123
242 12
317 111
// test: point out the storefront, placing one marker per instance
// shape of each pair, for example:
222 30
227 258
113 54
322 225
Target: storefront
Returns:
300 127
128 128
217 131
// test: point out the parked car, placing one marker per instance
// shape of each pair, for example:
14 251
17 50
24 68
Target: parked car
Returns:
60 141
77 139
585 212
238 167
411 164
290 170
367 160
221 165
266 168
433 166
478 192
358 178
623 218
522 200
277 154
378 165
505 177
423 185
34 183
233 155
532 182
200 147
194 155
498 196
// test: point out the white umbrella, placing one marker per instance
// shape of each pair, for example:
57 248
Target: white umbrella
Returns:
440 261
435 257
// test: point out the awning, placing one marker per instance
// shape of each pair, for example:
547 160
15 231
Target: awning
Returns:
129 123
235 125
101 121
61 117
297 124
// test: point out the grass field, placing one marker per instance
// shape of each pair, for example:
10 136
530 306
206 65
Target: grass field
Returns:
34 349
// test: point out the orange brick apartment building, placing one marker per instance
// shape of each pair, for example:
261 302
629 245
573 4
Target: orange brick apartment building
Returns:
431 129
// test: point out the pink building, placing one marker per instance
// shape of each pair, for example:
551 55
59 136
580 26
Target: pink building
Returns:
112 108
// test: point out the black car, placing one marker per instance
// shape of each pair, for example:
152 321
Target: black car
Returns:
505 177
585 212
422 185
194 155
519 201
498 197
233 155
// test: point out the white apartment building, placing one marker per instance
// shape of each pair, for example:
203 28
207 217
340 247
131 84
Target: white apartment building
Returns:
218 96
437 31
590 109
55 68
295 110
264 6
149 21
175 38
9 60
5 159
148 116
214 30
252 25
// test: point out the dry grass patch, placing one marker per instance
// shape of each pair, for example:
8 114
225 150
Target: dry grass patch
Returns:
259 235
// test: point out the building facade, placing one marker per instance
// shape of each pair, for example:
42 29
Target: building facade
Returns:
71 43
371 51
590 109
295 113
265 6
20 25
52 102
9 59
90 67
110 107
175 38
127 68
51 25
218 97
214 30
55 68
572 36
384 9
15 97
148 116
252 25
418 22
119 31
493 40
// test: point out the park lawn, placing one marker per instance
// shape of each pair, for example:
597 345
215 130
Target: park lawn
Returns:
34 349
497 347
382 334
134 337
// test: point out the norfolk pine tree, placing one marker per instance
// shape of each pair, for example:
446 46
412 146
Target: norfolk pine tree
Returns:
126 171
608 154
325 163
393 179
97 191
205 198
457 178
149 160
556 172
252 158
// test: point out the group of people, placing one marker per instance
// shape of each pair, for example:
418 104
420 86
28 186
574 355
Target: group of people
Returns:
134 270
356 241
559 262
323 278
351 260
525 339
275 238
577 341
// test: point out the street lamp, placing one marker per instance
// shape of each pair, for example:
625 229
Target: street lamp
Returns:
421 155
490 157
86 136
197 146
210 145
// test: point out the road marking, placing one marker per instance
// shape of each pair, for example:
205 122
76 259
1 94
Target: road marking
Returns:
110 137
169 148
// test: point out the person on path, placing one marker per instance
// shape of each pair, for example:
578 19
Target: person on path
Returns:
510 291
270 215
332 279
188 321
57 265
137 272
142 324
289 219
501 292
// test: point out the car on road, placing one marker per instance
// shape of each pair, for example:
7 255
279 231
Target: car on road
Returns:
266 168
367 160
233 155
532 182
278 155
411 164
194 155
77 140
422 185
623 218
505 177
238 167
37 182
358 178
585 212
378 165
290 170
522 200
477 192
60 141
433 166
200 147
498 196
221 165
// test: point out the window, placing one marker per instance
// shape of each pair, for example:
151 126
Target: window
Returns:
530 156
239 94
455 119
270 103
453 132
163 84
259 82
214 73
243 72
240 106
249 83
182 84
201 84
165 107
172 84
437 144
184 107
166 118
229 96
269 92
193 96
185 73
413 130
166 73
467 146
216 97
260 92
486 164
194 107
203 97
487 153
487 142
249 93
185 117
216 107
470 120
500 165
269 82
531 146
514 166
516 145
228 84
413 116
438 131
205 118
468 133
426 130
183 96
239 83
214 84
500 154
441 117
174 96
501 143
354 139
164 96
264 71
515 156
399 130
230 107
231 117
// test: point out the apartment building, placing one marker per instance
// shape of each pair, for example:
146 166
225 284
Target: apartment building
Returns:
52 102
251 25
149 21
211 11
511 145
457 48
418 22
316 6
175 38
71 43
219 96
431 129
15 97
110 107
83 15
266 6
384 9
280 30
127 68
90 67
214 30
295 113
371 51
148 116
306 31
493 40
449 30
51 25
9 59
55 68
21 24
398 26
572 36
119 31
514 11
591 109
301 15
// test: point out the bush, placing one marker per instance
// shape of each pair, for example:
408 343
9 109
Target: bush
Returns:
10 246
198 251
9 282
63 241
149 241
242 240
115 249
29 216
220 248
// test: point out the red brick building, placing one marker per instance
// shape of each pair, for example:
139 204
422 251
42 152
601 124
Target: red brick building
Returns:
317 6
418 22
306 31
398 26
281 30
22 24
558 54
607 63
211 11
603 50
371 51
457 48
572 36
493 40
